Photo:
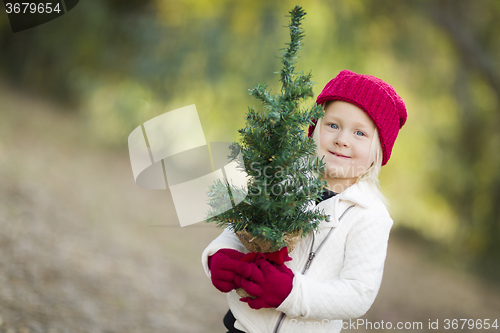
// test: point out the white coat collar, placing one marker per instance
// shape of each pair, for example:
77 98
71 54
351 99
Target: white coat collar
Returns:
357 194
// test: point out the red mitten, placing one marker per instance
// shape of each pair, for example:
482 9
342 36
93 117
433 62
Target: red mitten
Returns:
223 266
270 284
277 257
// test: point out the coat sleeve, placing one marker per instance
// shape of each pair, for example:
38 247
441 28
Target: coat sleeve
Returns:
226 240
354 291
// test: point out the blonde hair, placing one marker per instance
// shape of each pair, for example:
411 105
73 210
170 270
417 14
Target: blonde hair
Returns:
369 178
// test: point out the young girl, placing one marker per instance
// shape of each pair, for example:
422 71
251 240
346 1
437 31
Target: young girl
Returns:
336 271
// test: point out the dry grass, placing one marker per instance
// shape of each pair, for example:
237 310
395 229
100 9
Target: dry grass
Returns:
83 249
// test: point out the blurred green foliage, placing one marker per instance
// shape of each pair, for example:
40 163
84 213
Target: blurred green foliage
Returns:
119 65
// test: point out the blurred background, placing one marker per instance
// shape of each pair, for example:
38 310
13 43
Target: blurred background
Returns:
83 249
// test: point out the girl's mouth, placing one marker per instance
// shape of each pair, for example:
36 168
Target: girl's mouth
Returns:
338 155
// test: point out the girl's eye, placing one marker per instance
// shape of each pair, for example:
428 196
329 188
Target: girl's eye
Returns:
334 126
360 133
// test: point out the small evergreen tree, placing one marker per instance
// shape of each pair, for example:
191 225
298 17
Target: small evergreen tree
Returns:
278 157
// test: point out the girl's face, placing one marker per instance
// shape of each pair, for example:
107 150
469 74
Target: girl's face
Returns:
345 140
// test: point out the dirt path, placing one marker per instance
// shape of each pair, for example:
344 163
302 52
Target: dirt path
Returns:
83 249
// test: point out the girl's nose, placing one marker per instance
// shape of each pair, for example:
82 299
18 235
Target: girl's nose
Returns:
341 140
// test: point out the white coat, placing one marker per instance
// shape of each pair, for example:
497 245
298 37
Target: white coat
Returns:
343 278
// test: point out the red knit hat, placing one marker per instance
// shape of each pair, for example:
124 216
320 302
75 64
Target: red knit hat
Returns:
377 98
